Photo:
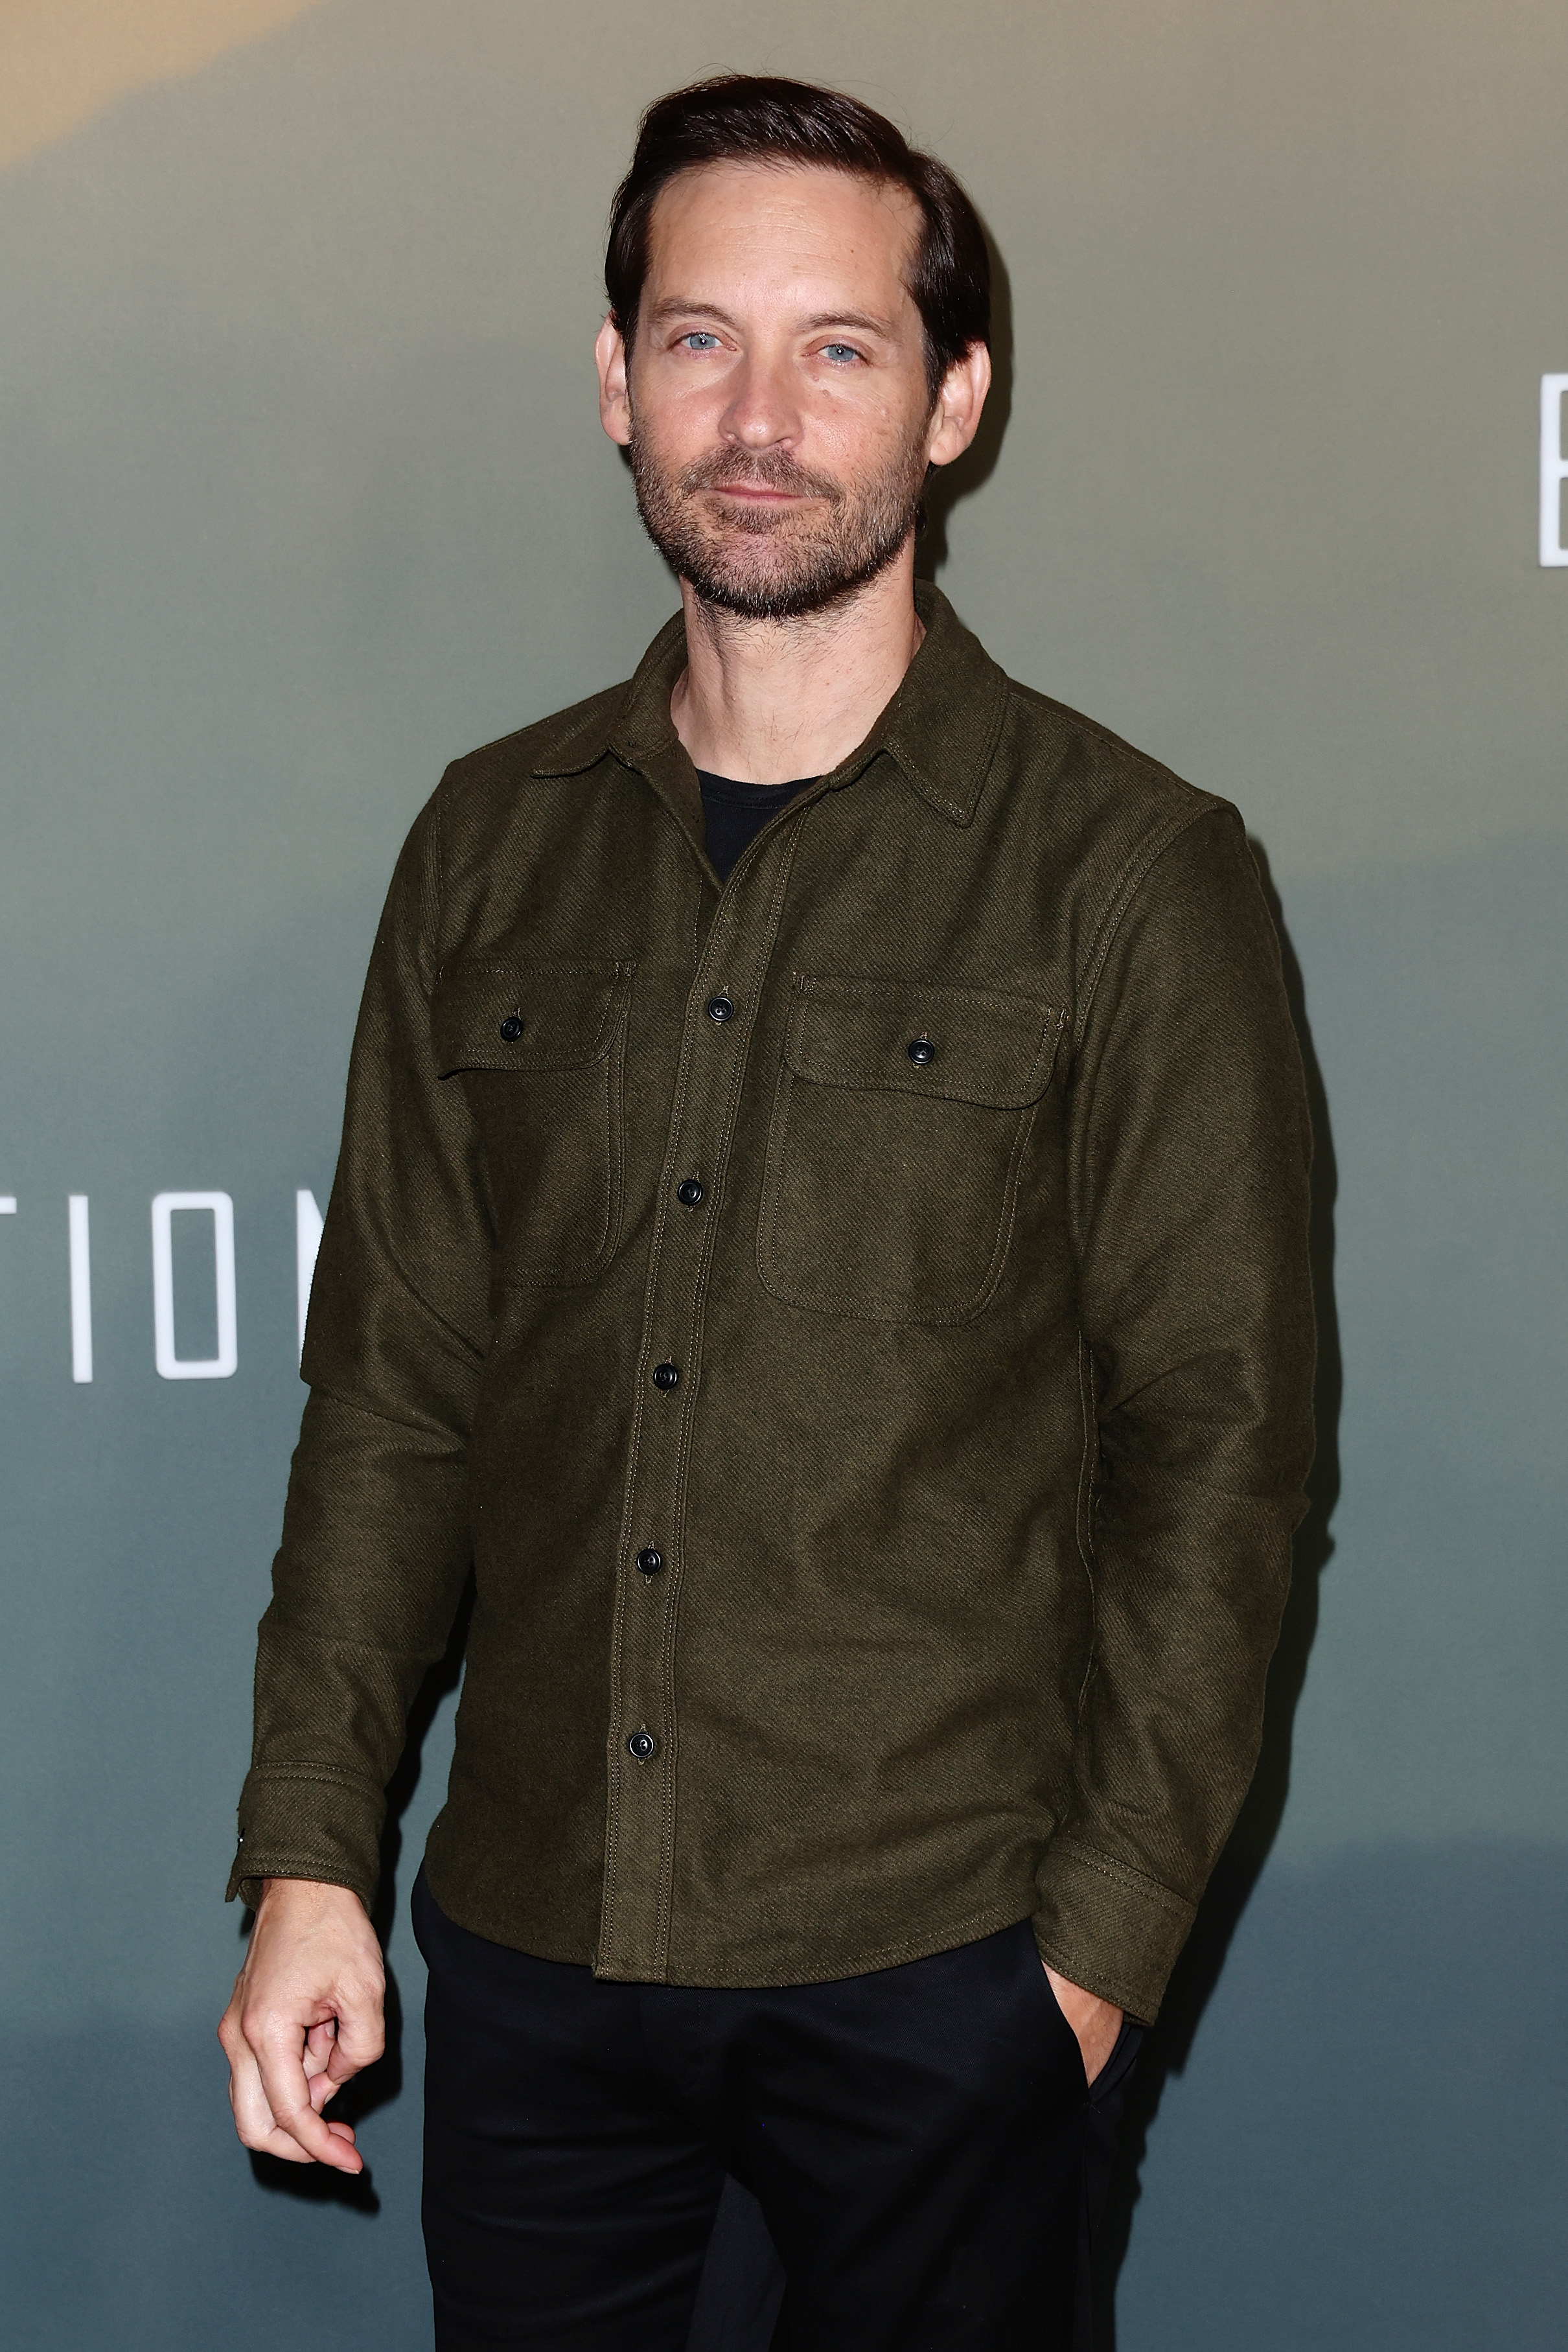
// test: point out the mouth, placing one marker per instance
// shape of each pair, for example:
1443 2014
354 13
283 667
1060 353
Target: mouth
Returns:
755 494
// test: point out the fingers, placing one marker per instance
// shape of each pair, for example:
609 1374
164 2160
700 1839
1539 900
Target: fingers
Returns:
253 2119
292 2107
319 2043
359 2037
1095 2021
259 2128
305 2015
322 2089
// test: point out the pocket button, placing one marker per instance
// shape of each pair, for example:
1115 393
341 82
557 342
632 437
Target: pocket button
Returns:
921 1052
511 1028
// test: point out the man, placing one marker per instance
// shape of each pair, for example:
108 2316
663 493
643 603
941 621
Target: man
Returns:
820 1230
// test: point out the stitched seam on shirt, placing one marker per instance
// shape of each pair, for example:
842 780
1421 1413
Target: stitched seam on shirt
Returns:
335 1645
1128 883
266 1863
603 1039
920 1947
1002 695
879 1308
789 838
337 1774
609 1895
978 1923
1085 1522
610 1899
332 1646
823 987
516 1277
432 958
1001 702
1133 1882
392 1420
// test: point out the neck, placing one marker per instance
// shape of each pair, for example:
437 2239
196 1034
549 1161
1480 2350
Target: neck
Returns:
766 702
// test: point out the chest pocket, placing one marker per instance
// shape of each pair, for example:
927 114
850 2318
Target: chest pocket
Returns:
899 1128
540 1052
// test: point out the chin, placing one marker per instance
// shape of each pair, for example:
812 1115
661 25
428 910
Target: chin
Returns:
734 574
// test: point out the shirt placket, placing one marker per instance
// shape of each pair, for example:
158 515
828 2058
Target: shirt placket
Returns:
643 1743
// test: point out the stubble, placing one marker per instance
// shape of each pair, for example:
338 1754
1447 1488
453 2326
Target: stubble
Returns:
768 563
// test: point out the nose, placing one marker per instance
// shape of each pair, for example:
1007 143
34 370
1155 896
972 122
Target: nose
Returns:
762 412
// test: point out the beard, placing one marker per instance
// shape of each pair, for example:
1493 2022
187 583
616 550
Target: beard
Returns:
771 564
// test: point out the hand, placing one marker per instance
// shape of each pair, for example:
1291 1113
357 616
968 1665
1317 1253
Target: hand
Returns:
1096 2022
307 2012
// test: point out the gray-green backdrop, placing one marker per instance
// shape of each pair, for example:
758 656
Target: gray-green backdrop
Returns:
302 492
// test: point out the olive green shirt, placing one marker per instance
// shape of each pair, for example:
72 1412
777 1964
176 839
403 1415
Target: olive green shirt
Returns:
855 1323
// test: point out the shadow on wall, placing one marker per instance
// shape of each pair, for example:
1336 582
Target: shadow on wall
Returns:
947 484
1198 1971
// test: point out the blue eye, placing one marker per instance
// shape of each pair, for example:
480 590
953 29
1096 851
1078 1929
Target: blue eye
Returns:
699 340
839 353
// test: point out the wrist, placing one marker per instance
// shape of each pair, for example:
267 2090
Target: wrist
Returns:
308 1898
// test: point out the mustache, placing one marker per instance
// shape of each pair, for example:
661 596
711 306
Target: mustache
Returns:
762 470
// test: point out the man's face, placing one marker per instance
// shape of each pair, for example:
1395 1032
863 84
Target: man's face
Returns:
776 402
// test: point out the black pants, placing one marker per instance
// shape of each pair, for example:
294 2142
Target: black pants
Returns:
919 2141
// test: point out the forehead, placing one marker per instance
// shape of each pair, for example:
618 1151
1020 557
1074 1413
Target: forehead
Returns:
718 229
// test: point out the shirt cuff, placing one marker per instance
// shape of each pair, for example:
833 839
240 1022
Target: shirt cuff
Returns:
1107 1928
304 1820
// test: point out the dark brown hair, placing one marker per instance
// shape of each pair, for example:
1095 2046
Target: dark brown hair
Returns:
749 117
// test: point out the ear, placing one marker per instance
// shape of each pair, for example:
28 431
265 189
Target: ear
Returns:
614 398
959 405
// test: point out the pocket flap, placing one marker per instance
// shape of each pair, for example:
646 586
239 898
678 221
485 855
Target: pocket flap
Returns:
985 1045
494 1016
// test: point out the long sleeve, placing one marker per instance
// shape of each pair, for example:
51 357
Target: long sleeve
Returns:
376 1546
1190 1150
981 1627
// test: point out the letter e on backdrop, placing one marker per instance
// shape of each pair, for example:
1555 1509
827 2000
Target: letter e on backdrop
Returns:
1553 470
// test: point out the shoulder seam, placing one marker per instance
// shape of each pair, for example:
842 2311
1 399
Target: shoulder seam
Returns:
438 862
1128 883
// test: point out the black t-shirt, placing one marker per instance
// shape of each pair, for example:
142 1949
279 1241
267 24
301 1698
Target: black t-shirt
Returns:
734 814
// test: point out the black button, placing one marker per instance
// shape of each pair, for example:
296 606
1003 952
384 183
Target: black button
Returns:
650 1559
690 1194
643 1746
721 1009
666 1376
923 1053
511 1028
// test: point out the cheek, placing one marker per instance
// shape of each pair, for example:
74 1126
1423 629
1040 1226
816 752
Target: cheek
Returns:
671 404
665 442
868 430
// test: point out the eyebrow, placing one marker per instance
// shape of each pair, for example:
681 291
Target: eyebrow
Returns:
861 321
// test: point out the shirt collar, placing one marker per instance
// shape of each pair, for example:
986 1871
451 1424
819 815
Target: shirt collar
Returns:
940 727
